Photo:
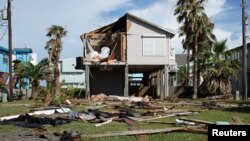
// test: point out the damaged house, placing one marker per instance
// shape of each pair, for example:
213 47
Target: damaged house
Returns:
128 57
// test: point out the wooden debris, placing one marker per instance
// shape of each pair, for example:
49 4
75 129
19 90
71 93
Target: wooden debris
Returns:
106 122
98 98
197 121
161 122
127 120
140 137
237 121
42 112
68 102
163 116
197 130
147 131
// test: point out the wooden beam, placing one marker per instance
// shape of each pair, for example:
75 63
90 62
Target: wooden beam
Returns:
166 78
123 47
142 132
137 132
93 35
197 121
87 82
126 89
162 85
163 116
158 94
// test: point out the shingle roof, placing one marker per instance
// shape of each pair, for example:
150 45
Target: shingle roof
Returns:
124 18
3 49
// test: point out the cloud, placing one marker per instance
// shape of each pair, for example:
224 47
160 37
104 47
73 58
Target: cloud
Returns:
214 7
161 13
32 19
222 34
233 39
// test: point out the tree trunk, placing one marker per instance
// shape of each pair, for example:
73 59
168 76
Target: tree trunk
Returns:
199 74
188 66
57 79
195 77
34 92
20 89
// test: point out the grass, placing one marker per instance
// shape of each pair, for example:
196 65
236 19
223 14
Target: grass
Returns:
89 128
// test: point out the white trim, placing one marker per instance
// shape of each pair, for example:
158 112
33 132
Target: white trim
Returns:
146 35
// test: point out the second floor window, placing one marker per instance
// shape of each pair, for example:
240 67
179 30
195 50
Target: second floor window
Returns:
154 45
5 59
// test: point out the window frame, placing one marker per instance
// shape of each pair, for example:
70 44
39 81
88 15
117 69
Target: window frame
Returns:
154 37
5 59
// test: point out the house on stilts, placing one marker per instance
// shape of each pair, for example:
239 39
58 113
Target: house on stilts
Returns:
129 57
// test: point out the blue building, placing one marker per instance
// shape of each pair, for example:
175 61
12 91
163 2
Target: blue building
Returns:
19 54
4 60
22 54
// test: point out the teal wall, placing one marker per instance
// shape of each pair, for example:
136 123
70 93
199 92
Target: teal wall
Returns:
22 54
4 62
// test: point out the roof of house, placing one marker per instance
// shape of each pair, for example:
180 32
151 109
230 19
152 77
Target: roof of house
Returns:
151 24
3 49
22 50
236 48
181 59
16 50
124 18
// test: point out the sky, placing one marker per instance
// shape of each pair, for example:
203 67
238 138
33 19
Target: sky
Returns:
31 19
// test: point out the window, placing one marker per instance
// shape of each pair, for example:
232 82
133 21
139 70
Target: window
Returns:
5 58
154 45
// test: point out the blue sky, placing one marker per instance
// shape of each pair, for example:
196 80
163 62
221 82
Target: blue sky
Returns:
32 18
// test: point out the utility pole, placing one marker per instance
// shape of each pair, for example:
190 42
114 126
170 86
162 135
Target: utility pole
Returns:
244 52
10 50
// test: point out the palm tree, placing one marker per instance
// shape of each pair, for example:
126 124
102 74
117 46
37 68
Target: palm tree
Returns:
196 27
182 76
181 10
221 70
36 73
19 73
56 33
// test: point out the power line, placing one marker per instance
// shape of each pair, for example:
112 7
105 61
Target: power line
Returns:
4 33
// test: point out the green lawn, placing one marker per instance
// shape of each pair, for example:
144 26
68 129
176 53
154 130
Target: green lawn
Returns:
89 128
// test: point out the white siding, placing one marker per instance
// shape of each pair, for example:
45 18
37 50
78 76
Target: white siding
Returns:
33 58
70 74
135 45
75 78
68 65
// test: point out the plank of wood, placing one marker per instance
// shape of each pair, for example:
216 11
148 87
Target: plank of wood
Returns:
160 122
130 122
106 122
164 116
137 132
196 129
197 121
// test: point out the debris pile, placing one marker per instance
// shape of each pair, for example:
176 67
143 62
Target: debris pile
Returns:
130 110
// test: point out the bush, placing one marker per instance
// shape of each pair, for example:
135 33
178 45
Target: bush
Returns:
73 92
